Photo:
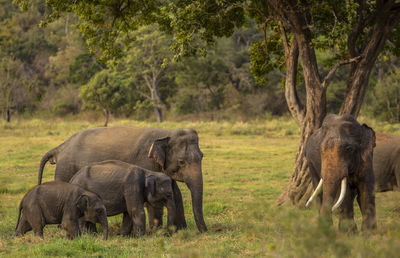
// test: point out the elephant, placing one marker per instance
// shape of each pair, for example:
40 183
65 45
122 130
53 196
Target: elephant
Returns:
339 155
125 188
58 202
387 163
173 152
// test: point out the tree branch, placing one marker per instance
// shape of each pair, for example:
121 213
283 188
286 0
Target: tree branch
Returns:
335 67
294 104
252 9
284 37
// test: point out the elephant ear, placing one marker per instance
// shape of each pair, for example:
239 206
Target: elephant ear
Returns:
367 142
82 203
158 151
150 184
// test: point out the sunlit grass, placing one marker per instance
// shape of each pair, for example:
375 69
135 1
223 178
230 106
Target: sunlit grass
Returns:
245 168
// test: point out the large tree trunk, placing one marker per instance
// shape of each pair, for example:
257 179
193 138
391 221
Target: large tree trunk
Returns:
310 117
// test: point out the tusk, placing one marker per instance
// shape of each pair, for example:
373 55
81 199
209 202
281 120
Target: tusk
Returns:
342 194
316 191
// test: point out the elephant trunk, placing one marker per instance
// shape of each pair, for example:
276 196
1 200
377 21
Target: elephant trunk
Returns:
194 181
171 208
104 225
330 190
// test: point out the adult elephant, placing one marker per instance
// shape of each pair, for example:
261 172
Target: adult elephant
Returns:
174 152
387 163
339 155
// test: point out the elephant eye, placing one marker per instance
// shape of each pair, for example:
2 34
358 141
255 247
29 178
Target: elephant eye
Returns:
349 149
99 211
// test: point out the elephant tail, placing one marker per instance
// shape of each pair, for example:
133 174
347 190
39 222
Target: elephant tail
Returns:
49 156
19 218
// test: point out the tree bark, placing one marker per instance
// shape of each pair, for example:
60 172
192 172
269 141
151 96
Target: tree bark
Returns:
158 112
310 117
8 115
155 96
107 116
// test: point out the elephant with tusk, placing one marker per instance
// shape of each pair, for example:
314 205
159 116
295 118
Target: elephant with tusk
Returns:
339 156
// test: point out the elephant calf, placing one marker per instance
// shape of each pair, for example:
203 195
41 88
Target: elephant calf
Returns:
125 188
58 202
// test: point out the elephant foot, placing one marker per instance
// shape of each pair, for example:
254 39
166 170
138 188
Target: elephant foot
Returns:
368 226
348 226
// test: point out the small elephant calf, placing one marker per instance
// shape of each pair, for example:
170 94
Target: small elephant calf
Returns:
58 202
125 188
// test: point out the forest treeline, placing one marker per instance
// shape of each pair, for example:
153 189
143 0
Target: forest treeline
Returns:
51 72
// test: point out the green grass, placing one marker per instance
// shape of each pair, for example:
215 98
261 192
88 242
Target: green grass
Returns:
245 168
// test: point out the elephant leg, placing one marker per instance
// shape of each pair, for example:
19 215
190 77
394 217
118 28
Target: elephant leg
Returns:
23 227
71 226
90 227
36 220
180 221
135 208
126 227
396 169
346 217
155 215
64 170
366 201
139 221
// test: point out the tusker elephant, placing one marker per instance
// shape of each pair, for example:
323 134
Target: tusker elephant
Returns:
125 188
339 156
59 202
387 163
173 152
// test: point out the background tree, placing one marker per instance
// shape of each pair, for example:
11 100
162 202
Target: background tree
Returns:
105 91
145 67
11 84
386 103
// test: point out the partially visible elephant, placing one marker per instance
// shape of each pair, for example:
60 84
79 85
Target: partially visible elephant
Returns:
59 202
387 163
173 152
125 188
339 156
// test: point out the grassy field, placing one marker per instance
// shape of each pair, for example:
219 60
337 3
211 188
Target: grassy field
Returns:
245 168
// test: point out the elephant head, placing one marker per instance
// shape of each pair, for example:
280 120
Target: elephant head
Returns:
159 191
180 157
344 149
91 207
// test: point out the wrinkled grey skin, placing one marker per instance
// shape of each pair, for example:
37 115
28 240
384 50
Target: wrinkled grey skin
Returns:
387 163
125 188
344 148
59 202
174 152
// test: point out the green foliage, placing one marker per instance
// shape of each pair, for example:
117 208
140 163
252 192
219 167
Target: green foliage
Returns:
105 91
84 67
387 97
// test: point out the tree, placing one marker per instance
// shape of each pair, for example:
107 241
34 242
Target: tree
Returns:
145 67
10 84
387 96
105 91
355 32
